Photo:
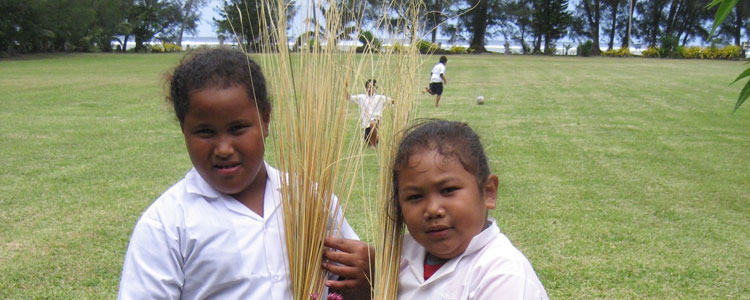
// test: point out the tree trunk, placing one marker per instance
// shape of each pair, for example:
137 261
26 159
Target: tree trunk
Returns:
593 18
436 18
615 6
738 24
655 20
125 43
188 7
626 40
479 22
139 45
673 7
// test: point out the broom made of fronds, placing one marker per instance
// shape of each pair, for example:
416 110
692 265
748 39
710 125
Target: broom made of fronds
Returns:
314 145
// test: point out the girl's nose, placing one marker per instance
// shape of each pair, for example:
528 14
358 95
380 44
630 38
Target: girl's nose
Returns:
224 148
434 209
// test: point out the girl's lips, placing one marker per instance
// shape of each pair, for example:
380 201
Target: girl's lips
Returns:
226 170
437 233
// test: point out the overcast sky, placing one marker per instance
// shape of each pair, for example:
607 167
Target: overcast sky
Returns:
208 12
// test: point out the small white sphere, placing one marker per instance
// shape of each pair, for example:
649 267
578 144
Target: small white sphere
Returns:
480 100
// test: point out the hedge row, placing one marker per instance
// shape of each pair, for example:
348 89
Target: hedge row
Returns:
694 52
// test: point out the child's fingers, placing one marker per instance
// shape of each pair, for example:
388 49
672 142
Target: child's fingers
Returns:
343 271
347 284
339 257
338 244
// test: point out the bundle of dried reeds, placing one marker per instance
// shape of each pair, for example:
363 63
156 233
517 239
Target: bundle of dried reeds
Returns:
315 135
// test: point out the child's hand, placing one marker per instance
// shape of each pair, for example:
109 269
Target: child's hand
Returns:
352 262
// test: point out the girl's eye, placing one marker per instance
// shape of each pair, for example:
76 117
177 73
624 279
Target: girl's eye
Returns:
204 132
448 190
237 129
413 197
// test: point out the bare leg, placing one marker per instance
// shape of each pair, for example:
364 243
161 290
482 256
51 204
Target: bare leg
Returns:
373 137
437 100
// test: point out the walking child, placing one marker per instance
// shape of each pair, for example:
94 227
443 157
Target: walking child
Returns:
218 233
370 109
437 80
444 189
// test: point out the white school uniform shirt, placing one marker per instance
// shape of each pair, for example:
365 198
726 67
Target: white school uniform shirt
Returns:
370 107
196 243
437 70
490 268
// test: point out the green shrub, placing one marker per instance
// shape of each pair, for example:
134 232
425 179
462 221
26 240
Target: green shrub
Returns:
711 52
668 46
622 52
458 50
651 52
397 47
169 48
693 52
678 52
157 48
369 42
552 50
730 52
585 48
426 47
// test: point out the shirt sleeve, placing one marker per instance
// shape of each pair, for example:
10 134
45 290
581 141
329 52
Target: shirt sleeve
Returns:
153 264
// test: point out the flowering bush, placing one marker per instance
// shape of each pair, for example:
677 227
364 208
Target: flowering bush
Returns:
617 53
457 50
651 52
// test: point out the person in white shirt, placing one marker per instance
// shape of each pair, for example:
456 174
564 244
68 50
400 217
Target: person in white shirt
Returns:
437 80
444 190
218 233
370 109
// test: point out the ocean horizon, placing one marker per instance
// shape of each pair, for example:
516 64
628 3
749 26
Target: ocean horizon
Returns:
497 46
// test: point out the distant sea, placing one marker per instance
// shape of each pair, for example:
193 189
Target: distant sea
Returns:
492 45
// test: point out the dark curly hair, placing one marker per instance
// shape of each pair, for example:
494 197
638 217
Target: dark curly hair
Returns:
219 67
451 140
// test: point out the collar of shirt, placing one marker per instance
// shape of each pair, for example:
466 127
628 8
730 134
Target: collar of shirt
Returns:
414 256
197 185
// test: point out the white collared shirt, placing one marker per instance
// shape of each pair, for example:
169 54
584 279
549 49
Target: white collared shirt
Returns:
196 243
370 107
437 70
490 268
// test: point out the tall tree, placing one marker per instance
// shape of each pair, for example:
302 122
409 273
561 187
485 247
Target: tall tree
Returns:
550 20
435 12
612 17
592 12
478 20
628 29
520 15
242 20
478 25
651 15
150 18
189 17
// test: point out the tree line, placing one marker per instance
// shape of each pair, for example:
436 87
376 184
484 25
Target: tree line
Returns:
31 26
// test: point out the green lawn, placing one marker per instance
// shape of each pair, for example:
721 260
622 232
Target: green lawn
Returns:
619 178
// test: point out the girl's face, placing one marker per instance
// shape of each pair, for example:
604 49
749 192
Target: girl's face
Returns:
224 135
442 205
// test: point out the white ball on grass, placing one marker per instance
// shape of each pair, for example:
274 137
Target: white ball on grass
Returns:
480 100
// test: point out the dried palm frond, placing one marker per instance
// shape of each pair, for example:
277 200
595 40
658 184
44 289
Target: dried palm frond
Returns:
316 140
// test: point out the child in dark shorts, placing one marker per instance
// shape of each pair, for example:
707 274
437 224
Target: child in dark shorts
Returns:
437 80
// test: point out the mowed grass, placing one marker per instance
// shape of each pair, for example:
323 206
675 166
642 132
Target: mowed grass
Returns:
619 178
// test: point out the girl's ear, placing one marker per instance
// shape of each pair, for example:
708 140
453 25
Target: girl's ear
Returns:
490 191
266 120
